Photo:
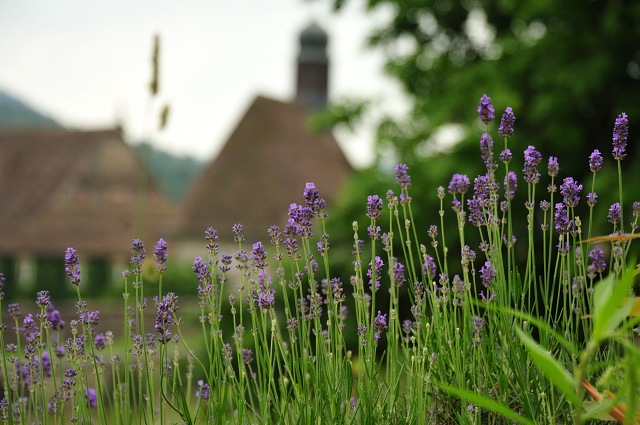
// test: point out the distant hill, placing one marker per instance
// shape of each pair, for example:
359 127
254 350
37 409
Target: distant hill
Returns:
174 175
16 115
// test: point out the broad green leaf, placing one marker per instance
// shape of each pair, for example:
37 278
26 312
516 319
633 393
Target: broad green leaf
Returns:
487 403
601 294
607 299
550 367
600 410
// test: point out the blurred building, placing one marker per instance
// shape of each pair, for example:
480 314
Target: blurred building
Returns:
80 189
268 159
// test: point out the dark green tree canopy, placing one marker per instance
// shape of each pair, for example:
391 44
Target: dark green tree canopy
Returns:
567 68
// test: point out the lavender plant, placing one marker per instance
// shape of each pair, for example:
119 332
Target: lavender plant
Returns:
497 340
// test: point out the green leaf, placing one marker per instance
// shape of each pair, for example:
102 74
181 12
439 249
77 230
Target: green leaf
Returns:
607 313
486 402
600 410
550 367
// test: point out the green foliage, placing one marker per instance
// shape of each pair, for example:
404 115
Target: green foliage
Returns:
566 68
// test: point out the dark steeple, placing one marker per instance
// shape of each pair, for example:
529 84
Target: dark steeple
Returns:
313 67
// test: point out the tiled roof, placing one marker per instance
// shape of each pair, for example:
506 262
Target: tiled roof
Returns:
261 170
63 188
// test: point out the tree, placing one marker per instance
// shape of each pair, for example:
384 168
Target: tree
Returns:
566 68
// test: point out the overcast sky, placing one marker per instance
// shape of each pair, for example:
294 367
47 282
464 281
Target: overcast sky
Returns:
87 64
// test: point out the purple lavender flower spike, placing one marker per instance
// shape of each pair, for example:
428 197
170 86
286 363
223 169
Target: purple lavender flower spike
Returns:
595 161
247 355
374 206
379 325
562 222
429 267
160 255
375 285
636 209
478 326
397 274
620 134
403 179
506 156
200 269
488 274
237 232
614 213
259 255
72 266
203 391
596 255
311 195
486 147
570 190
90 397
485 110
486 152
211 236
506 124
137 256
55 319
531 160
592 199
512 185
459 184
553 167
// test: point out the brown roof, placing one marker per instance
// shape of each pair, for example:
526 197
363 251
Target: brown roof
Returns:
261 170
63 188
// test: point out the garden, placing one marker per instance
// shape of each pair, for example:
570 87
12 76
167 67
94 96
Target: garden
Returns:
534 324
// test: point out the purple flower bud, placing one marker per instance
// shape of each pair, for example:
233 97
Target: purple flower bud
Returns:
562 222
459 184
72 266
485 110
510 184
570 190
237 232
397 274
506 124
486 148
592 199
506 156
375 284
614 213
595 161
247 355
137 256
203 391
478 326
90 397
488 274
531 160
374 206
553 167
620 134
160 255
597 257
379 325
403 179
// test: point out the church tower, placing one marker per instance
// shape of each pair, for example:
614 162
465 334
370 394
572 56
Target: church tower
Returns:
313 68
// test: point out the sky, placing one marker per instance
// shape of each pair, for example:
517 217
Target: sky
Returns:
88 64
